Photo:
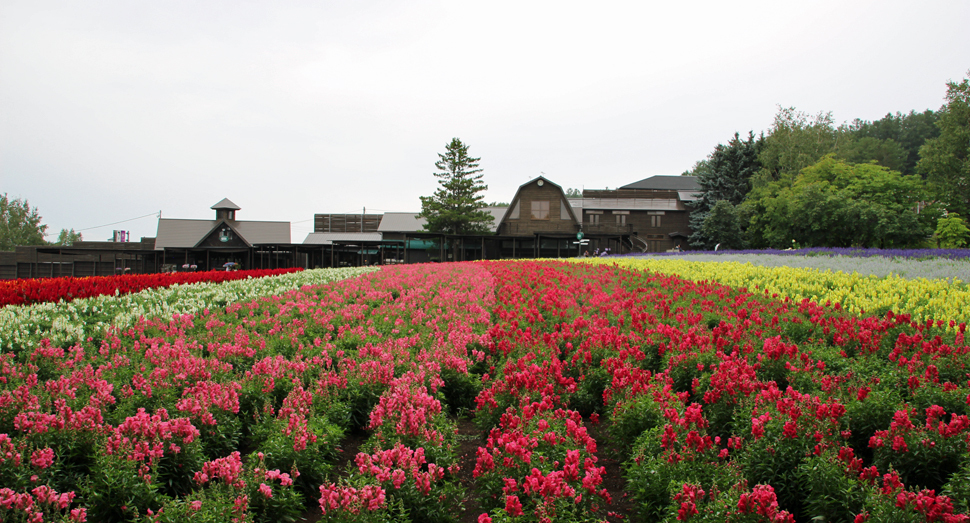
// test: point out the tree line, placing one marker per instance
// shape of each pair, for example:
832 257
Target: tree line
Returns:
902 181
20 224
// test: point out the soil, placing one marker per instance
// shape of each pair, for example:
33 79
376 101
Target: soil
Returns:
347 452
621 508
470 438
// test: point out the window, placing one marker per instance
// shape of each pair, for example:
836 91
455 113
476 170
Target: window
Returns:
540 210
655 221
621 219
514 215
594 219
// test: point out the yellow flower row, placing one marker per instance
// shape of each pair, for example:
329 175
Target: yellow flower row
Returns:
921 298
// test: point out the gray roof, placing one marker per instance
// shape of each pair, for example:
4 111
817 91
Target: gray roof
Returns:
226 204
630 204
663 182
497 214
401 222
690 196
185 234
409 221
327 238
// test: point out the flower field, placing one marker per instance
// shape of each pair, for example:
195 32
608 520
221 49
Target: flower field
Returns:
946 300
724 404
41 290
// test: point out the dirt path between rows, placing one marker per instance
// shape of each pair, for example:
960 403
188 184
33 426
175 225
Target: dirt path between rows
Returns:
469 439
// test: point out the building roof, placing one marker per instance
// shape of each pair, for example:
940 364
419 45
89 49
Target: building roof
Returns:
497 214
401 222
185 234
410 222
689 196
541 180
662 182
327 238
225 204
629 204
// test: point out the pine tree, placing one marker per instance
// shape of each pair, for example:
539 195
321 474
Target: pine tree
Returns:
456 207
725 176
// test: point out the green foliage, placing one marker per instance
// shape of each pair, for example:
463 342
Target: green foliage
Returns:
796 140
726 176
700 168
886 153
945 160
67 238
654 478
311 458
456 206
958 489
19 224
116 492
460 390
906 131
832 493
722 227
837 204
865 417
952 232
634 417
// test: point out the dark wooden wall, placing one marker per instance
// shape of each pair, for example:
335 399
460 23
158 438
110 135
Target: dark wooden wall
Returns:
525 225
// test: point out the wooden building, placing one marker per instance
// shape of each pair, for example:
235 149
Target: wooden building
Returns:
81 259
653 214
210 244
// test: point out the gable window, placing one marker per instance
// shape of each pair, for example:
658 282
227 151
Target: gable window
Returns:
514 215
540 210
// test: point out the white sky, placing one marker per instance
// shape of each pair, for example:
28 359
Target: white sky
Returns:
110 110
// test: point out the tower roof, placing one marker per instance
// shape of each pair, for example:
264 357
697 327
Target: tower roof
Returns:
225 204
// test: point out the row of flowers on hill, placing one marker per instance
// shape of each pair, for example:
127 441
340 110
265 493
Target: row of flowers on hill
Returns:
24 326
920 298
727 405
239 413
43 290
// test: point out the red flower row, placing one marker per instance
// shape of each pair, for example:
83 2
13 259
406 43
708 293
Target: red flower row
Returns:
42 290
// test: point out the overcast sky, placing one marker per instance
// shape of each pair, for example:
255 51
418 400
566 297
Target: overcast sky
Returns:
112 110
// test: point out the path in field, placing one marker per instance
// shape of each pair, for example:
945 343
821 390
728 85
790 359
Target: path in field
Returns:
469 439
622 509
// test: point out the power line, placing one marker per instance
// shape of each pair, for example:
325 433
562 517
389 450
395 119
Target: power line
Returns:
159 213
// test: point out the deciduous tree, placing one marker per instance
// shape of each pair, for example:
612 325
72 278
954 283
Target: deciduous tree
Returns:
68 237
795 141
951 232
945 160
838 204
19 224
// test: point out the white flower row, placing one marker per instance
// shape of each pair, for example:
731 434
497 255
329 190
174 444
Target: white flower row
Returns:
22 326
